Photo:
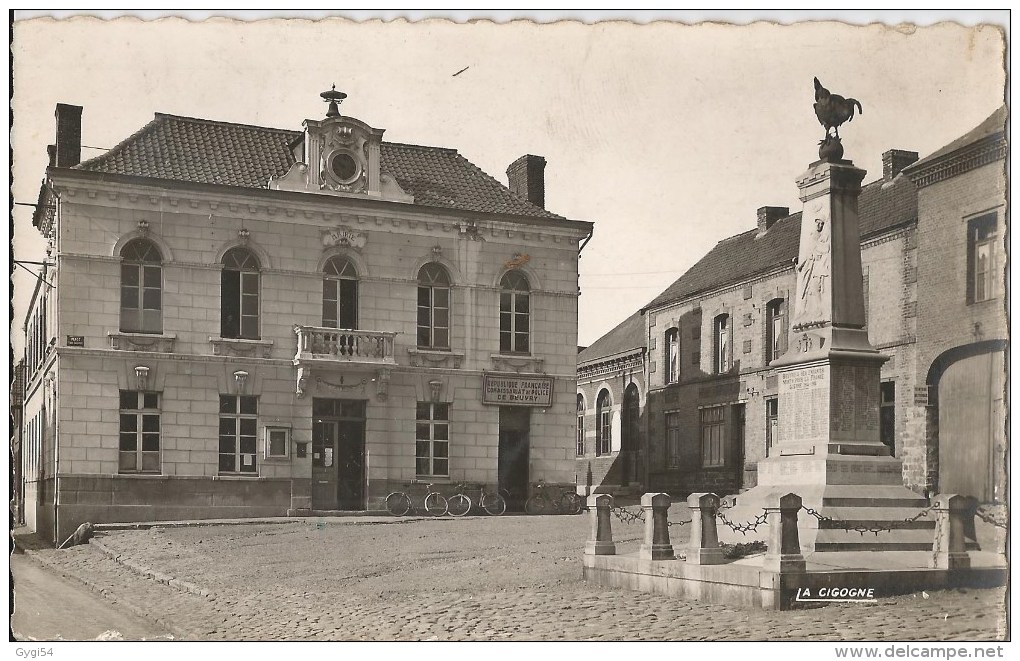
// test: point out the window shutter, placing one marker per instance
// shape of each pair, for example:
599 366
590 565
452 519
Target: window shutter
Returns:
784 309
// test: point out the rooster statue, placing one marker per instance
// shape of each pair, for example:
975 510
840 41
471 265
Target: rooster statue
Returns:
832 110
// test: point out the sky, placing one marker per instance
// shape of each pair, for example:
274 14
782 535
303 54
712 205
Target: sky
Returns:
667 136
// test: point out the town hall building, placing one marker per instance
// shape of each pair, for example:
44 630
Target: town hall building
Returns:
243 321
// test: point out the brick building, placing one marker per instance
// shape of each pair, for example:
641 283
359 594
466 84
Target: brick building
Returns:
932 255
962 333
611 395
248 321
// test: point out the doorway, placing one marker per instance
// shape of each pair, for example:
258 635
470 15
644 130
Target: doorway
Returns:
514 452
338 454
971 427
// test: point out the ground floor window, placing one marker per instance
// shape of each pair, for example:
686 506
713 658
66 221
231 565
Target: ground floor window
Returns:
887 415
713 437
432 439
771 424
238 439
674 449
139 432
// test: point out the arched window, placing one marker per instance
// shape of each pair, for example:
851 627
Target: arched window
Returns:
721 339
141 288
433 307
603 423
673 355
775 329
340 294
580 425
514 313
239 295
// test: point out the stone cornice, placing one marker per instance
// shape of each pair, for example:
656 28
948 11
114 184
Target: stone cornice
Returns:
617 363
147 194
987 150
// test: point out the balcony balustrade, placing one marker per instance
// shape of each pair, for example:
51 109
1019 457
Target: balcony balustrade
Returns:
330 345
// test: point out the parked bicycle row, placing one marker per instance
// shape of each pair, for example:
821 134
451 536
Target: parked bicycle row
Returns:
546 499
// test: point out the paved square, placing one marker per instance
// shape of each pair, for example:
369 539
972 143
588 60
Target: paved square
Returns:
477 578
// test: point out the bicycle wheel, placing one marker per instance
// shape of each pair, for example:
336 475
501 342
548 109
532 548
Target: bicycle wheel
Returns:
493 503
459 505
435 504
570 503
398 503
535 505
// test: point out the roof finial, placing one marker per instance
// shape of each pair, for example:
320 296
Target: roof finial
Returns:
335 98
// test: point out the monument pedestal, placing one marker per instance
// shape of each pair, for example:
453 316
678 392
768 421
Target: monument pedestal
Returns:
829 450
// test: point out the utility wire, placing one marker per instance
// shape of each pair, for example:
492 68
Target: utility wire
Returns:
34 274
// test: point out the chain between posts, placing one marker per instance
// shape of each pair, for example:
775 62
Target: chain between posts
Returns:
990 517
743 528
628 517
848 527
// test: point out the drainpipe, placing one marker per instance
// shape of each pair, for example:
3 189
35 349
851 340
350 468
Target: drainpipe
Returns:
56 371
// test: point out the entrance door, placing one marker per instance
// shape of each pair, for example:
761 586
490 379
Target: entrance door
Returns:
514 452
971 422
338 454
324 468
351 464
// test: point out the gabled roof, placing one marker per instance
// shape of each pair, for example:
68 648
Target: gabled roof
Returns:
628 335
211 152
881 206
996 123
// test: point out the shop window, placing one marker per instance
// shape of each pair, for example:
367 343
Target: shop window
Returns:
141 288
580 426
514 313
982 276
713 437
674 449
887 415
238 424
775 329
340 294
433 307
673 355
721 338
139 432
432 439
239 295
603 423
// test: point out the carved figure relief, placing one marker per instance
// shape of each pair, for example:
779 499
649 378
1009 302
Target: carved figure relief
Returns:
814 270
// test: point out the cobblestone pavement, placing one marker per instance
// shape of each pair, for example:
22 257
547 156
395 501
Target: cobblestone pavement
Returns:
476 578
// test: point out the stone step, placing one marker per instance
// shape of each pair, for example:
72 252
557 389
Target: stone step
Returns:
908 539
874 496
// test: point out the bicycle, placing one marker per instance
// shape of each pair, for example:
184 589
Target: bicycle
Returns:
398 503
460 503
567 502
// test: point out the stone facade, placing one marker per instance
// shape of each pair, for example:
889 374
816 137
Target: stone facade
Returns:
90 360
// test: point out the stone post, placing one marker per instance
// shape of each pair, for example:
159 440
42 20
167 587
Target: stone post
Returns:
703 548
949 550
601 540
784 540
656 544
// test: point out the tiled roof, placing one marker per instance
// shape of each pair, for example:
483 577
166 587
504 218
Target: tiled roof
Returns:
630 334
881 205
210 152
996 123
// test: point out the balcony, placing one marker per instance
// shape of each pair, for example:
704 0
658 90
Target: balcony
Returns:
330 346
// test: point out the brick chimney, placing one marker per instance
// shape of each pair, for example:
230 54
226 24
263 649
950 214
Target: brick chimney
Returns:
68 135
526 177
767 217
894 160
